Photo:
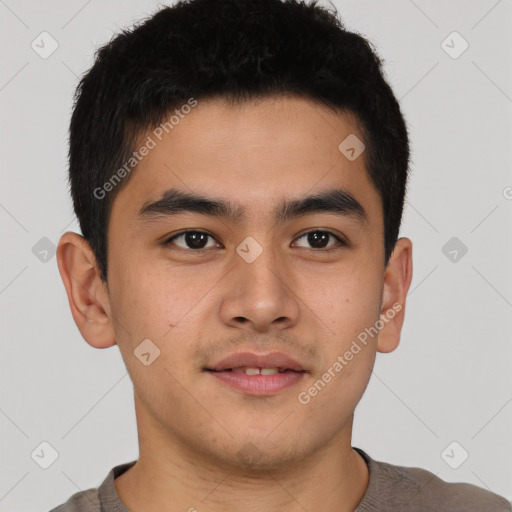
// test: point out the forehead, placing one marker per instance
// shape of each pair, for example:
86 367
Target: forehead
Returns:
250 154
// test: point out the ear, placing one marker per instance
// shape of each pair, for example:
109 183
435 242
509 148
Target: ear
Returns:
397 280
87 293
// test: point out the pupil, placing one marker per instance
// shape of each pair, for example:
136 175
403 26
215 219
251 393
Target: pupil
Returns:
195 240
318 236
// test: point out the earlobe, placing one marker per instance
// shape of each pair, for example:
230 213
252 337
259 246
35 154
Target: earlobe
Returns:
397 280
86 292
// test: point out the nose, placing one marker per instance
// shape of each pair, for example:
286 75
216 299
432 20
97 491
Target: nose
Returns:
260 295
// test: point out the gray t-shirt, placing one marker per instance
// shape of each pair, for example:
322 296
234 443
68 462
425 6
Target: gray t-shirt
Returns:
390 489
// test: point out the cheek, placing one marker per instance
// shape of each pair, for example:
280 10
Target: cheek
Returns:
334 392
148 305
151 302
346 299
353 302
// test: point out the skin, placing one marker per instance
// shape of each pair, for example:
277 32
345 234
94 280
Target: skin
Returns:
197 308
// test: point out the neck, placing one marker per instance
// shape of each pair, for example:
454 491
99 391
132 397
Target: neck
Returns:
170 476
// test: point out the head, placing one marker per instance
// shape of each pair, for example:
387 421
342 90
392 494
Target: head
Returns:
268 132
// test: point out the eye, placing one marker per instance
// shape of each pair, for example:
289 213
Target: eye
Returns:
198 240
318 239
195 240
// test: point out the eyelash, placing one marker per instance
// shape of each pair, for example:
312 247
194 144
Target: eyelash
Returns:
341 242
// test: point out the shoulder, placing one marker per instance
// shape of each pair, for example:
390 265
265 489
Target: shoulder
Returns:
418 490
429 489
92 499
84 501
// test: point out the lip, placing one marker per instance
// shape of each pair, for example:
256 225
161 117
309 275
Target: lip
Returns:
277 360
259 385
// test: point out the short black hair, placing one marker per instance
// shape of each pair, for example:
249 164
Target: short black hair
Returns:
236 50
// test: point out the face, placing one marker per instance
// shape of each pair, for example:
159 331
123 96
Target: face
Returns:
303 284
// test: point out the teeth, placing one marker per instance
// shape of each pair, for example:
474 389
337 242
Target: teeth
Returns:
256 371
268 371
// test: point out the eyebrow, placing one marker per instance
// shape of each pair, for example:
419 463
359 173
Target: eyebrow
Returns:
174 202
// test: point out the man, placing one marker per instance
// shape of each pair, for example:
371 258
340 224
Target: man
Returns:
238 168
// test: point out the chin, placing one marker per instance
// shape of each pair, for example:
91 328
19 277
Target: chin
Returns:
260 455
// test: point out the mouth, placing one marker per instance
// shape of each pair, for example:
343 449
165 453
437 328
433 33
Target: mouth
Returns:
256 374
247 370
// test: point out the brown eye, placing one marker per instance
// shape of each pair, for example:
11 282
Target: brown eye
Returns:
194 240
319 240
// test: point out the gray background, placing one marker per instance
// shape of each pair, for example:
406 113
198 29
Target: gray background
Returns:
449 380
